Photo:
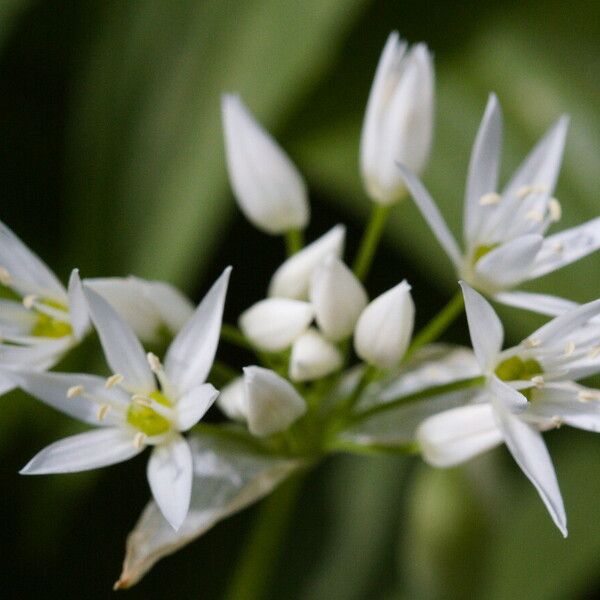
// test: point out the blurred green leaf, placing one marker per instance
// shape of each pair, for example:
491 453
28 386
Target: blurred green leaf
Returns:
9 12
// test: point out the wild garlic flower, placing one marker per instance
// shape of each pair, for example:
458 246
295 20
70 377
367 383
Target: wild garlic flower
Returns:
398 124
142 404
504 232
268 188
44 320
530 388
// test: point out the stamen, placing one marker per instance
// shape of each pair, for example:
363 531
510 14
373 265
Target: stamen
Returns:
569 348
557 421
524 191
139 440
594 352
154 362
535 215
5 278
558 247
103 411
74 391
555 209
29 301
531 343
141 400
538 381
588 395
490 199
113 380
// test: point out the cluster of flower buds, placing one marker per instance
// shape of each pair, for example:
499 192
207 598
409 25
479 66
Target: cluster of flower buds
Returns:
332 371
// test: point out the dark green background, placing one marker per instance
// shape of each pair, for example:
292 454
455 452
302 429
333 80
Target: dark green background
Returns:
111 160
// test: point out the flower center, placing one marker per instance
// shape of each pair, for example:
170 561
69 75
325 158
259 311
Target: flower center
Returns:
481 251
517 369
48 326
146 419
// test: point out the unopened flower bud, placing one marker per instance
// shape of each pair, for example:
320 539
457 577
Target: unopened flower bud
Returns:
232 401
275 323
398 123
272 403
338 298
292 278
268 187
385 327
313 357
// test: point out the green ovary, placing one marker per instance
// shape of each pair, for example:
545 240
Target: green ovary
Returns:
146 420
481 251
47 326
517 369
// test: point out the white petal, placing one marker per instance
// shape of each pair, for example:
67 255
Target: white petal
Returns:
122 349
542 165
232 400
385 327
530 453
52 388
83 452
566 247
485 328
510 263
192 406
459 434
78 310
147 306
170 477
269 189
30 275
292 278
542 304
313 357
15 319
338 298
272 402
432 215
273 324
191 355
38 357
483 168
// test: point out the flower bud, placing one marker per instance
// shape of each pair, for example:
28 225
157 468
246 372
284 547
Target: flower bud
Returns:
338 298
268 187
272 403
313 357
398 123
385 327
292 278
273 324
232 400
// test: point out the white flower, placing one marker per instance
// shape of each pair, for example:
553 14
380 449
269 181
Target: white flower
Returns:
271 402
273 324
385 327
141 404
504 232
231 400
313 357
49 320
529 389
338 298
398 124
292 278
266 184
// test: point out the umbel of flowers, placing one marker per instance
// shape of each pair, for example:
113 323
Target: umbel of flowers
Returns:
333 369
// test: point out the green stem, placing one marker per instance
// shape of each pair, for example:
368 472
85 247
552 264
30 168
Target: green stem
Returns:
293 241
370 240
261 554
232 335
434 329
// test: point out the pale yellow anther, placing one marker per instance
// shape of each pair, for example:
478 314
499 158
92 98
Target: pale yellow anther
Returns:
5 278
75 391
29 301
139 440
569 348
594 352
557 421
103 411
531 343
524 191
490 199
588 396
154 362
538 381
558 247
141 400
555 209
113 380
535 215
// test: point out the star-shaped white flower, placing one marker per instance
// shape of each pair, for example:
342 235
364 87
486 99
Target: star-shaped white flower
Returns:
141 404
529 388
504 232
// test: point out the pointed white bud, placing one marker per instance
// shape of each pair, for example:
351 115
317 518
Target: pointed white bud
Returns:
272 403
292 278
385 327
268 187
313 357
398 123
232 400
338 298
275 323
